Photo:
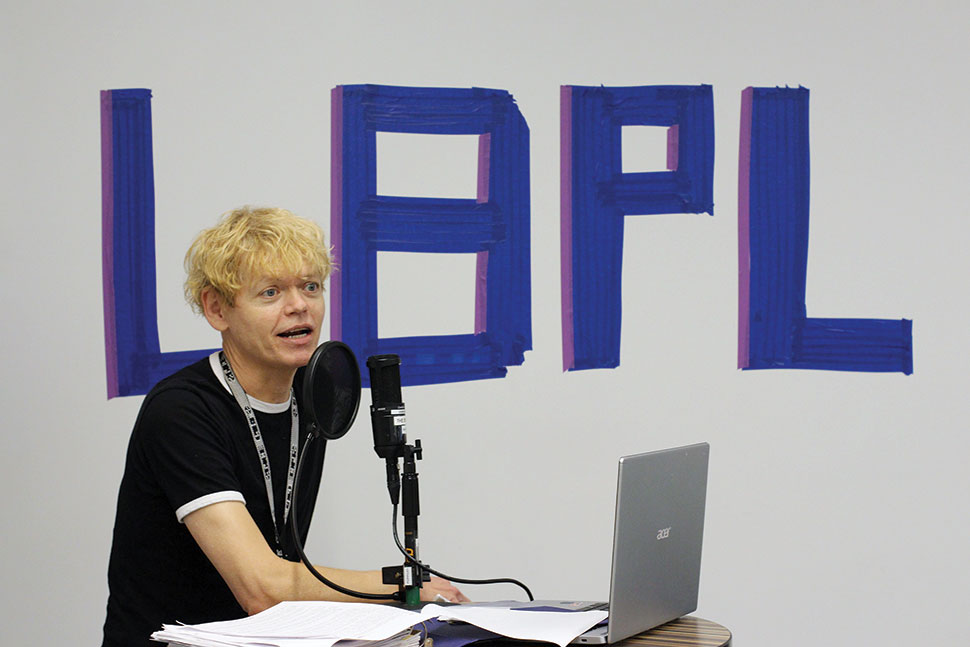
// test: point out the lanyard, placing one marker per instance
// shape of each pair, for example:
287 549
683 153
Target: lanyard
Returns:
247 409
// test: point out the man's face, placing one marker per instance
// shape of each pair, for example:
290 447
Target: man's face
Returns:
274 325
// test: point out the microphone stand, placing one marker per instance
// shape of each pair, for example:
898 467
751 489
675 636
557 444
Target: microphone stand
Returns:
390 443
410 509
409 576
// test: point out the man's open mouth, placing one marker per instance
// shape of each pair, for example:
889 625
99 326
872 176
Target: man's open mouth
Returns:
295 333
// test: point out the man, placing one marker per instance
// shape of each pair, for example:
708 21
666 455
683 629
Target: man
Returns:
197 535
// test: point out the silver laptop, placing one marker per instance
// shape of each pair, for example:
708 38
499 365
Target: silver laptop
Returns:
657 537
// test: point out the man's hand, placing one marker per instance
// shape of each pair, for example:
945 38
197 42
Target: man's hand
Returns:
437 586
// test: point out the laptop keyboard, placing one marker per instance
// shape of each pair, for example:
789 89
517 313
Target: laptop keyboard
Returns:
595 606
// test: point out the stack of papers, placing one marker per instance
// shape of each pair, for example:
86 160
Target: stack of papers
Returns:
322 624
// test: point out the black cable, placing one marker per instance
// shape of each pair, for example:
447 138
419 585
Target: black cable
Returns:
412 560
299 546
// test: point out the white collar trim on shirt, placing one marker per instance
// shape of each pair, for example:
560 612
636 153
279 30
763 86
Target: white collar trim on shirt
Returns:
257 404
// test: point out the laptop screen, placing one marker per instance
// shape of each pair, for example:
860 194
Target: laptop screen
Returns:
657 538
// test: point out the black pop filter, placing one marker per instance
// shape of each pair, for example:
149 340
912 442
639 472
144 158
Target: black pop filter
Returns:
331 390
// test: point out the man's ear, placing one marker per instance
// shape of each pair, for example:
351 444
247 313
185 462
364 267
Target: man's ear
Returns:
214 308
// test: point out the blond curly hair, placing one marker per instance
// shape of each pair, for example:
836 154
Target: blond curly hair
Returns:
252 242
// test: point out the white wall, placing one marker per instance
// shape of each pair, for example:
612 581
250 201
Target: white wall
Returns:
837 509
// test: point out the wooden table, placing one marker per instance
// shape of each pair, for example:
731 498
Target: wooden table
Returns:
689 631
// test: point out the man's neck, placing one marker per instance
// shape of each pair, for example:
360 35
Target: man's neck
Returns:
268 386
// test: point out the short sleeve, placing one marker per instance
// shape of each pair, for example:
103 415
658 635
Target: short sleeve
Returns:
187 446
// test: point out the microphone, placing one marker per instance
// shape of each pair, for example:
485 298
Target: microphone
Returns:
387 416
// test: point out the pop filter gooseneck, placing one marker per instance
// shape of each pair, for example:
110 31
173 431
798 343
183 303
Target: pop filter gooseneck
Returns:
331 396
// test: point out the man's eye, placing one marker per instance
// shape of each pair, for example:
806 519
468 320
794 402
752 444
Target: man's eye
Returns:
270 292
312 286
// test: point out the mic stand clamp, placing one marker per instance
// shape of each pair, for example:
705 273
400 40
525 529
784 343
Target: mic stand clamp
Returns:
410 576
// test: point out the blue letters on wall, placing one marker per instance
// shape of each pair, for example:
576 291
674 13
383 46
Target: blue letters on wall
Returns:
132 354
773 330
596 195
495 227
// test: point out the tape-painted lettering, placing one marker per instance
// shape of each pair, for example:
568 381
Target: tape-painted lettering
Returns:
133 357
596 196
494 227
774 330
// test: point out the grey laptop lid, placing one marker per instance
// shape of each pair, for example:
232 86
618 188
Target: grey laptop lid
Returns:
657 537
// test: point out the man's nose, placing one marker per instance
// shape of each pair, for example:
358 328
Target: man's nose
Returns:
295 301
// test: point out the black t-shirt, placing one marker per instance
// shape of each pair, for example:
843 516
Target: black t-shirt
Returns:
191 446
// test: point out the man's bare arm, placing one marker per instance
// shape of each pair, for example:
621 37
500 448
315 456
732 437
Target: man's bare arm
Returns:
258 578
